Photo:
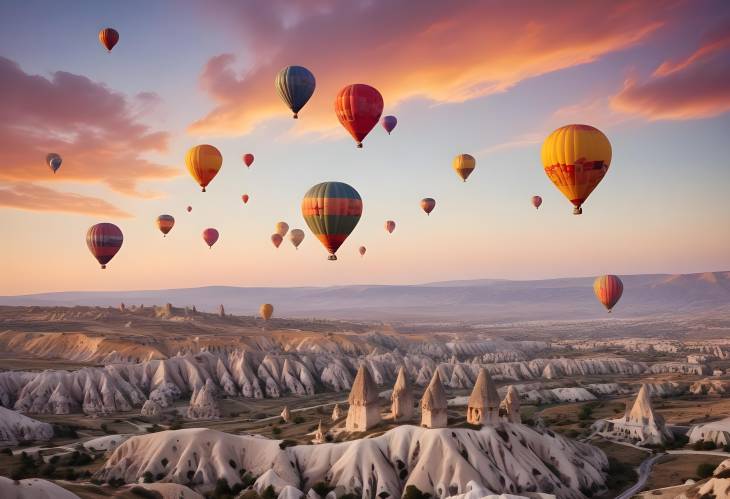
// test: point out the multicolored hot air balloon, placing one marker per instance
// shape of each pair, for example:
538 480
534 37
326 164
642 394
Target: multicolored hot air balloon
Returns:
390 226
276 239
203 162
362 250
104 240
210 236
389 122
108 38
295 85
248 159
464 165
296 236
282 228
428 204
332 211
576 158
266 310
536 201
54 161
608 290
244 198
165 224
189 208
358 107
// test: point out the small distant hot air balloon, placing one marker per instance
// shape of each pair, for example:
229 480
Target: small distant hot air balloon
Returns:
165 224
295 85
104 241
296 236
362 250
210 236
266 310
390 226
244 198
332 211
389 123
276 239
358 107
248 159
109 38
536 201
54 161
203 162
282 228
464 165
608 290
189 208
428 204
576 158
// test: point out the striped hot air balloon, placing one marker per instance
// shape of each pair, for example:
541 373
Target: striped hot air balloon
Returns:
104 241
608 290
576 158
295 85
332 211
358 107
109 38
165 224
203 162
464 165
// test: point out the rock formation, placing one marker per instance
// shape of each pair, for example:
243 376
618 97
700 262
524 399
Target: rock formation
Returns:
434 404
15 427
221 311
33 488
286 414
364 410
204 403
402 397
483 407
715 431
320 434
336 412
509 409
151 409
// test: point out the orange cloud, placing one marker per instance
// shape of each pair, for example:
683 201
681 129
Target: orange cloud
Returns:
445 52
33 197
94 129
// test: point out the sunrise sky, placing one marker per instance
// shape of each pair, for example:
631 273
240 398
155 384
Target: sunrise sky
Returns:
492 79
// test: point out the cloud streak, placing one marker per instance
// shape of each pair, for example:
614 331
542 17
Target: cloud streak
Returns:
31 197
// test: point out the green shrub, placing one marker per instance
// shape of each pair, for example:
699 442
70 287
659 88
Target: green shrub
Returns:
705 469
413 492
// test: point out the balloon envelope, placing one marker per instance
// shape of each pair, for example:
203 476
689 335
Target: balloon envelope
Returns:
362 250
266 310
295 85
109 38
608 290
276 239
428 204
282 228
104 240
203 162
248 159
536 201
358 107
245 198
296 236
390 226
464 165
576 158
54 161
332 211
389 123
210 236
165 223
189 208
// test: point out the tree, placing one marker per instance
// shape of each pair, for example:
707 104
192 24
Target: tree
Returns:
705 469
413 492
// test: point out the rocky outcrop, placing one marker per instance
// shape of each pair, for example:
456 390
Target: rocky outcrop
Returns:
483 405
336 413
401 406
15 428
33 488
320 434
364 410
204 403
286 414
715 431
509 408
434 404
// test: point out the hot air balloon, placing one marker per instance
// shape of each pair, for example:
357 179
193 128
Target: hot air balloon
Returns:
362 250
332 211
248 159
54 161
358 108
108 38
203 162
296 236
165 224
245 198
536 201
295 85
389 123
210 236
464 165
608 290
266 310
276 239
576 158
104 241
390 226
189 208
428 204
282 228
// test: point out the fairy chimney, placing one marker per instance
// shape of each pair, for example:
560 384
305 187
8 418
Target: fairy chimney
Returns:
483 407
286 414
433 404
364 411
221 311
122 307
319 436
336 412
509 409
402 397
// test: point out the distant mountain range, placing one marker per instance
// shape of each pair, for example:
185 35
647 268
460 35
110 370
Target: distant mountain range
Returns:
646 295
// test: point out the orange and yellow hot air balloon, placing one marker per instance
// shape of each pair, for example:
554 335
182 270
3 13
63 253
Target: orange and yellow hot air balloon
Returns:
266 310
464 165
108 38
427 205
608 290
576 158
282 228
203 162
165 224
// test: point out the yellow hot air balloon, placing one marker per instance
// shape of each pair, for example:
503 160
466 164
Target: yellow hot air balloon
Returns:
296 236
282 228
576 158
464 165
203 162
266 310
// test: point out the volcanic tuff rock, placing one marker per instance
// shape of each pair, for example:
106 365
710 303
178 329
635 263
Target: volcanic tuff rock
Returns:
15 427
364 410
434 404
204 403
483 405
402 397
715 431
33 488
510 406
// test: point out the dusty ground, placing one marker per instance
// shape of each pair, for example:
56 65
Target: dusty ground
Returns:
675 470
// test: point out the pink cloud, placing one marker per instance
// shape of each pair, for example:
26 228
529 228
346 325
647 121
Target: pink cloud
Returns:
31 197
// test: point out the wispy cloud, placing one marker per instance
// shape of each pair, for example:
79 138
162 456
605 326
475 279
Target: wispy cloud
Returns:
31 197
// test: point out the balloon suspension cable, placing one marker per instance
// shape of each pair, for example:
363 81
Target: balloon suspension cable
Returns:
332 257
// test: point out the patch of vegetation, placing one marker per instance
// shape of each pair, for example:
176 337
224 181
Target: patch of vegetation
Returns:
269 493
413 492
705 470
148 477
322 488
276 431
286 443
298 419
64 431
620 474
146 494
701 445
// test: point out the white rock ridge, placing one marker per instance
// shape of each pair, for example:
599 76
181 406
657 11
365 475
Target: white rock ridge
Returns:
204 403
15 427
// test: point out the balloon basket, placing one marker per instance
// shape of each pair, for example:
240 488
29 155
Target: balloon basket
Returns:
332 257
577 210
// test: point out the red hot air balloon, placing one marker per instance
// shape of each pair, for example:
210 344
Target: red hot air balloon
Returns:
428 204
190 208
245 198
608 290
390 226
248 159
276 239
362 250
210 236
358 107
389 123
109 37
104 241
536 201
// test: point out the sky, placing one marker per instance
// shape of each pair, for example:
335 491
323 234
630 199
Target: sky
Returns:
491 79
